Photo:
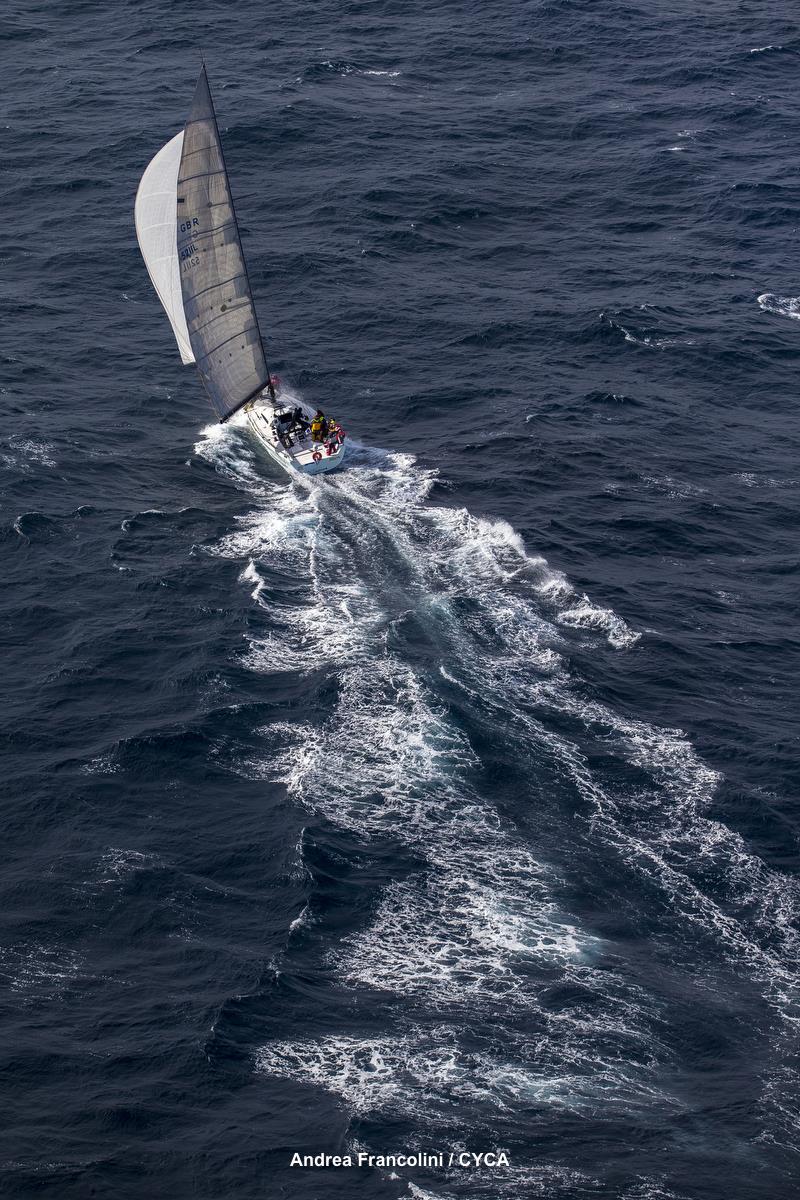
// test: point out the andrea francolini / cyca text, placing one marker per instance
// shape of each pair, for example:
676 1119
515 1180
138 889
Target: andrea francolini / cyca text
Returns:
442 1158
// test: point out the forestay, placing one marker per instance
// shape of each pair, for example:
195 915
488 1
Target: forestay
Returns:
220 315
154 213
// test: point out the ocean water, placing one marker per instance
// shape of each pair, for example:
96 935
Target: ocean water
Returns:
446 804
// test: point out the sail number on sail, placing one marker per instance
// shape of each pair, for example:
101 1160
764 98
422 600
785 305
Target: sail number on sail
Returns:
189 255
189 258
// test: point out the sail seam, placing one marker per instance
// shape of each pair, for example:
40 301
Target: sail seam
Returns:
208 324
199 150
219 284
201 175
232 338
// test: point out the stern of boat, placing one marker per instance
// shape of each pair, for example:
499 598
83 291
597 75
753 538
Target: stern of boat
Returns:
326 463
303 455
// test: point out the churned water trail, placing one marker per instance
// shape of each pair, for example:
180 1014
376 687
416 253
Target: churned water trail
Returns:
448 645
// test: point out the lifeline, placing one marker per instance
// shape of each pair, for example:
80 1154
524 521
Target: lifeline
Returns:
367 1160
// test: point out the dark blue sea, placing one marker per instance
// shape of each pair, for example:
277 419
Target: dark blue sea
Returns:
445 805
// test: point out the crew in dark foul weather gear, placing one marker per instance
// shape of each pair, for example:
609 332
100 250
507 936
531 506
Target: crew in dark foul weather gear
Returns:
300 421
283 425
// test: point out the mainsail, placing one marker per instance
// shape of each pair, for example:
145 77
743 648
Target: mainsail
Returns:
154 214
219 313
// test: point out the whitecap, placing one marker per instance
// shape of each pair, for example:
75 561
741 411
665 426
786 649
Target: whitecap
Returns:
23 453
673 488
782 306
103 764
37 972
119 864
585 615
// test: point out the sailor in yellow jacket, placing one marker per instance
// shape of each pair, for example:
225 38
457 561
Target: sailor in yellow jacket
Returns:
319 426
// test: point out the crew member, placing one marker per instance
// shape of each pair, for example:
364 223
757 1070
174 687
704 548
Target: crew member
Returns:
299 419
318 426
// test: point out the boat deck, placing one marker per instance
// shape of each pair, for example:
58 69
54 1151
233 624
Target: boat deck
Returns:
300 455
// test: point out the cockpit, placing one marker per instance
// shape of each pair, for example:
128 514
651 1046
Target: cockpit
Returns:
290 424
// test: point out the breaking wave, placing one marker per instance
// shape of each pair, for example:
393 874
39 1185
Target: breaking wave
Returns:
781 306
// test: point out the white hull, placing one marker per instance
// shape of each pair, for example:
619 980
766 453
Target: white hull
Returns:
300 455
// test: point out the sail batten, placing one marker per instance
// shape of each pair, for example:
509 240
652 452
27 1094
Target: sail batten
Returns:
213 273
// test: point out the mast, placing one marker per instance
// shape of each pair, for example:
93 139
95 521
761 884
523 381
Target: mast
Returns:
204 72
220 314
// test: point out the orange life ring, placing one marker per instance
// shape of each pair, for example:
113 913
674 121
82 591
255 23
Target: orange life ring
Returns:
317 457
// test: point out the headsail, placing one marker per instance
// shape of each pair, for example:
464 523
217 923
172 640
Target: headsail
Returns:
219 311
154 214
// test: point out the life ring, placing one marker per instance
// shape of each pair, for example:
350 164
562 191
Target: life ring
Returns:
317 457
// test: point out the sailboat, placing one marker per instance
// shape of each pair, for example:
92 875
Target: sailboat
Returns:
189 239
